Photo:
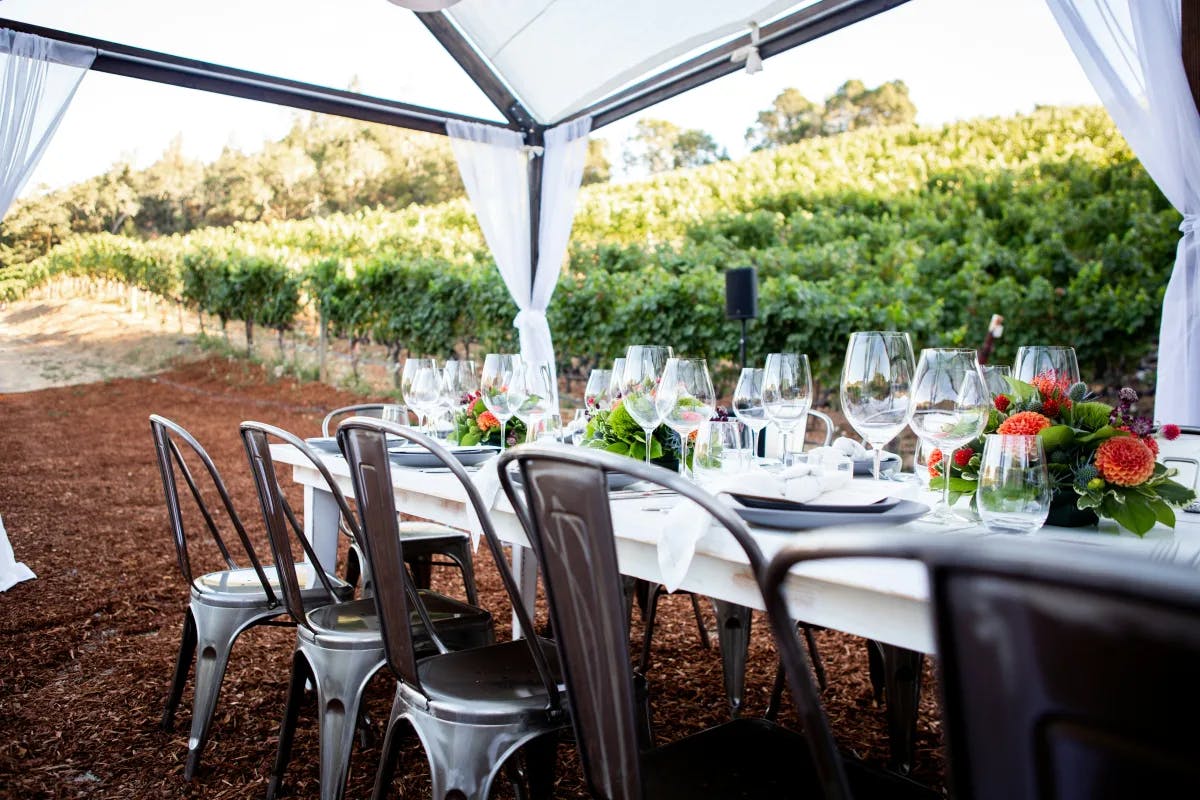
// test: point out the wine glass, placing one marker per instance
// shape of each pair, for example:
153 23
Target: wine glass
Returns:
685 399
497 376
1059 362
1013 494
950 406
460 381
421 384
994 378
748 405
578 429
614 384
643 370
596 395
876 382
531 395
786 394
411 367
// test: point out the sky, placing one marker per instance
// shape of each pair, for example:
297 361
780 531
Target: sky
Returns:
960 59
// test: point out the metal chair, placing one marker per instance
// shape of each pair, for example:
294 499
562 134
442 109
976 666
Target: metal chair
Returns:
474 709
567 519
222 604
339 645
424 542
1065 671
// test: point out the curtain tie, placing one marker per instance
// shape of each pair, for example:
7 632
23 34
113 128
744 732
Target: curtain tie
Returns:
1190 224
749 53
529 316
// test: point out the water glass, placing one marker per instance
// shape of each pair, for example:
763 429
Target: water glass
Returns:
644 365
579 426
531 395
460 382
686 399
596 396
394 413
498 371
412 368
1013 494
1058 362
994 377
748 404
876 386
720 450
787 394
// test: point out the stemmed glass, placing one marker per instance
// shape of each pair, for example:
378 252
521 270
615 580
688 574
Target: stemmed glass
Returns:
498 371
876 385
531 395
786 395
950 405
1034 360
421 384
644 366
685 400
460 381
748 405
596 395
614 384
994 378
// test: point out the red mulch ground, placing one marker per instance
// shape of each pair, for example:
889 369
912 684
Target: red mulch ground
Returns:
89 646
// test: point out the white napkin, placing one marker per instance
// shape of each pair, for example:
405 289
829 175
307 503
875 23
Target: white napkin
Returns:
487 481
854 449
687 523
12 571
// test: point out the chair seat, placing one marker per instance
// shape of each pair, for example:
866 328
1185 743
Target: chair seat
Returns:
458 623
754 758
498 679
416 531
241 587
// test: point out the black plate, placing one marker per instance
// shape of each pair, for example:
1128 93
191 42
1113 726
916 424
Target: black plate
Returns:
417 457
324 444
780 504
791 520
616 480
866 466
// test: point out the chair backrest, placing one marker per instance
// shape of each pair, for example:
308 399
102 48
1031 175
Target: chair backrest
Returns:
284 530
172 465
567 517
364 443
1067 672
358 410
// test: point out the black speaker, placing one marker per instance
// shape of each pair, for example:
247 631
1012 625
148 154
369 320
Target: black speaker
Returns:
741 293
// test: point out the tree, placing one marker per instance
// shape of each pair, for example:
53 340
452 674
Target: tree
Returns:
597 168
792 117
658 146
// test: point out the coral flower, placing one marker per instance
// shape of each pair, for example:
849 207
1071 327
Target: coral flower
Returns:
487 420
1025 423
1152 443
1125 461
935 458
1002 402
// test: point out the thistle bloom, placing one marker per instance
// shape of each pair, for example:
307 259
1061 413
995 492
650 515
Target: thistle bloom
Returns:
1026 423
1125 461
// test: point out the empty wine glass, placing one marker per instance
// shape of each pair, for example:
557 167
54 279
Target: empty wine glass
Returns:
579 425
460 381
497 375
531 395
424 390
644 366
950 406
614 384
1035 360
411 367
685 400
748 404
787 395
994 378
596 395
1013 494
876 381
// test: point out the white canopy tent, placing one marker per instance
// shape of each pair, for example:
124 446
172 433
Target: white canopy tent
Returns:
545 63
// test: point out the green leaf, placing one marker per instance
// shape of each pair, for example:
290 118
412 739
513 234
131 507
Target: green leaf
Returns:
620 448
1056 436
1162 511
1020 390
1133 514
1090 416
1100 434
470 438
957 485
1174 493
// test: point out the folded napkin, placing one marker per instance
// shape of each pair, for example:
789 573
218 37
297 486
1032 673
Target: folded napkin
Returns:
854 449
12 571
687 523
487 481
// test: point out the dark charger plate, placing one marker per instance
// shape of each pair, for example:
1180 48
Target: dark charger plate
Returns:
780 504
797 517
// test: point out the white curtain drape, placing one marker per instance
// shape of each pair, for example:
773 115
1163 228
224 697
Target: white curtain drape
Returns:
38 78
1132 53
495 169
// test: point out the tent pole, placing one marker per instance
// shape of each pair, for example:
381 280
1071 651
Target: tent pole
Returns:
1191 46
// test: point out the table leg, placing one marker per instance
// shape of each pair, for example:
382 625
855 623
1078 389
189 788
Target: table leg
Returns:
733 635
901 673
524 570
321 518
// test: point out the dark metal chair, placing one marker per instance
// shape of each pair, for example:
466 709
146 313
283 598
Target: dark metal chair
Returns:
339 645
473 709
567 519
222 604
1065 670
426 544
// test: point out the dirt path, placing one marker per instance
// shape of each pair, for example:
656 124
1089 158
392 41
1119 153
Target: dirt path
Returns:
45 343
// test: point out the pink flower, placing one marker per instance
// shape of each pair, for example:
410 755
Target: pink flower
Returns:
1170 431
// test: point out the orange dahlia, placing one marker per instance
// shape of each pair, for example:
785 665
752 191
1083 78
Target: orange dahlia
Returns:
1125 461
935 458
1024 423
487 420
1152 443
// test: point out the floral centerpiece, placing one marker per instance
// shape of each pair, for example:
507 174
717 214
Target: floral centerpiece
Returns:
616 432
475 425
1101 460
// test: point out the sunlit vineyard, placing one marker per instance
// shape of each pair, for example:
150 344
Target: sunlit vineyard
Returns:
1045 218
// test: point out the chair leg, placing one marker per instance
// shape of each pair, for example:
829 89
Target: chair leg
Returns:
541 760
814 656
776 701
187 651
651 612
216 630
464 759
902 681
466 566
391 749
700 626
354 563
301 674
422 570
341 676
733 634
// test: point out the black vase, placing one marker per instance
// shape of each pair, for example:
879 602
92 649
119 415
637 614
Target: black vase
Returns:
1066 514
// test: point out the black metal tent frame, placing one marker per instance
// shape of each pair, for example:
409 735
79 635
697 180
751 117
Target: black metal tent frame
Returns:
802 26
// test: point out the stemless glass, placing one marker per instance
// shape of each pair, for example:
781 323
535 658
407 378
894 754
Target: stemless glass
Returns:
1035 360
950 406
411 367
531 395
719 450
614 383
748 404
786 395
1013 494
876 381
993 378
579 425
685 400
643 370
497 376
596 395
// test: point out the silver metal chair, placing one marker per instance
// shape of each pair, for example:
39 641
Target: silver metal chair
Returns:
224 603
339 645
474 709
424 542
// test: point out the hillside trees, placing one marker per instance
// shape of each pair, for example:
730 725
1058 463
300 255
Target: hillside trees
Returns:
792 117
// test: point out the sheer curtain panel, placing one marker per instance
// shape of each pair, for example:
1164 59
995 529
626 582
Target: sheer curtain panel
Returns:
1132 52
38 78
494 163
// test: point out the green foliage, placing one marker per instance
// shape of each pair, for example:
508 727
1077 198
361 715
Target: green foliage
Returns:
616 432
